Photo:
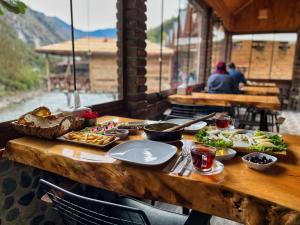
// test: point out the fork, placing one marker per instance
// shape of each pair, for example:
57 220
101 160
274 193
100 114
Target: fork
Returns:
186 151
181 157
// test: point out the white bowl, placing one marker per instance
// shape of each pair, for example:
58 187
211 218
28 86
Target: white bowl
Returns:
121 133
257 166
230 154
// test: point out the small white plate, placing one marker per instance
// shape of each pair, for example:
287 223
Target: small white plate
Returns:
230 154
217 168
193 128
143 152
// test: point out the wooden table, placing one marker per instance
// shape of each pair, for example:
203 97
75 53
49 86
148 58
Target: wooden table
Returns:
261 84
239 193
227 100
258 90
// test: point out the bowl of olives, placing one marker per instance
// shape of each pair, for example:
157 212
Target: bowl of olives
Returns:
259 161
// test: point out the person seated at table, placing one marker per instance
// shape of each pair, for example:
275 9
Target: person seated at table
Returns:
220 81
237 75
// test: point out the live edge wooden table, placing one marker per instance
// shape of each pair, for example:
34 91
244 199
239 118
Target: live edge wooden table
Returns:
262 103
258 90
238 193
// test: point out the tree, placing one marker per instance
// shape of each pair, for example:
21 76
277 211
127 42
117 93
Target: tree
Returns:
14 6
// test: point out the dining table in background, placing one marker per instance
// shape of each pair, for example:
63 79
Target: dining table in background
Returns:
259 90
261 84
238 193
261 102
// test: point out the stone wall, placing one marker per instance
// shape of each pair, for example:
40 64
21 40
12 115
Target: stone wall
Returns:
19 197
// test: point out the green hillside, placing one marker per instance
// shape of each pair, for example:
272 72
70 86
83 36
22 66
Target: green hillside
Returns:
20 68
153 34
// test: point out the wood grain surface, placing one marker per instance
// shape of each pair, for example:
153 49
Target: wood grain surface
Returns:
227 100
257 90
239 193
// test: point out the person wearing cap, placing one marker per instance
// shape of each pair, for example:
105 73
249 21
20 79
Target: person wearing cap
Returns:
220 81
238 76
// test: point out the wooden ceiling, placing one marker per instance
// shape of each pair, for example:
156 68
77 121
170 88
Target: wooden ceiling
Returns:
258 16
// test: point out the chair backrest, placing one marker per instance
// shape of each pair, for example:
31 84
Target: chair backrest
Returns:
76 209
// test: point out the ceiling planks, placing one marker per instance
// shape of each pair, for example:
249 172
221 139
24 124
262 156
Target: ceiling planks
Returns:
241 16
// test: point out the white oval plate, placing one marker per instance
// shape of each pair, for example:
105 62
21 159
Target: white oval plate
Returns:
231 153
143 152
193 128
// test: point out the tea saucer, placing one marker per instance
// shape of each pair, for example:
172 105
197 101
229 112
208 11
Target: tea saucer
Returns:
217 168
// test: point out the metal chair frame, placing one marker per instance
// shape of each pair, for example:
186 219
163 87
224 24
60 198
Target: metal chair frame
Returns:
74 213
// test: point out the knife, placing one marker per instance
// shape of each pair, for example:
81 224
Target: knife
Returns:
187 163
179 160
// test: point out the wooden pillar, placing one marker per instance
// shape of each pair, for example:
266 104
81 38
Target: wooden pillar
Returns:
132 54
208 43
227 47
47 68
296 71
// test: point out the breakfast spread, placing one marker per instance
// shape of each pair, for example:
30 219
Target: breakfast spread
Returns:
79 136
251 141
42 123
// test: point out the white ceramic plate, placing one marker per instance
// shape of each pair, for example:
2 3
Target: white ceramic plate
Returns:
230 154
143 152
193 128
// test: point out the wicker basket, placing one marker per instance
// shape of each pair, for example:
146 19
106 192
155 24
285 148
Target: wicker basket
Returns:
48 133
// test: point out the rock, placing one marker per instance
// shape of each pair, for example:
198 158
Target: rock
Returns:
37 220
9 185
4 166
25 179
26 199
8 202
12 214
49 223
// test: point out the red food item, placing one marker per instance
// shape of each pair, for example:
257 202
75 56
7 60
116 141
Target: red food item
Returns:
89 115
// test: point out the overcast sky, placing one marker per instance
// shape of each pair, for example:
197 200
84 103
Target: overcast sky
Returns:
102 12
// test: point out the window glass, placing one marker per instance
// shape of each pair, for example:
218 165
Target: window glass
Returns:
218 44
35 56
265 56
181 44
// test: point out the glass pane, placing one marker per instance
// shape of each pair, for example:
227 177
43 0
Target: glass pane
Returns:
283 56
265 56
218 43
35 56
181 44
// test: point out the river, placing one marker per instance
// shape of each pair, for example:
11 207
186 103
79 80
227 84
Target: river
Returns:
54 101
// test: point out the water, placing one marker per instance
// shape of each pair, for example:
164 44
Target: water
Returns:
54 101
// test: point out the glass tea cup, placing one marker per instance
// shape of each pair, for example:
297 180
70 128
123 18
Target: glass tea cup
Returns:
223 122
203 157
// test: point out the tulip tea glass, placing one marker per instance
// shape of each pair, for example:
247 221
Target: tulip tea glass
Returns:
203 157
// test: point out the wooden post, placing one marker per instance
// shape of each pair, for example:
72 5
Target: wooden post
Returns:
296 73
47 68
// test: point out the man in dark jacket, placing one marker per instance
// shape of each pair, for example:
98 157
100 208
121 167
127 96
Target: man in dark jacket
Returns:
220 81
239 78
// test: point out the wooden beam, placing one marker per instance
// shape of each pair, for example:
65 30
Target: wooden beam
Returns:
221 10
242 7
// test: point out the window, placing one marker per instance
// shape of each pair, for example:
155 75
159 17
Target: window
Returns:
181 39
265 56
36 56
218 43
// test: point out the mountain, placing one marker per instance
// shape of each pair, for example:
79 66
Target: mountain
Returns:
36 29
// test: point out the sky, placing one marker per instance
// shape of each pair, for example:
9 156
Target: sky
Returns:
102 12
